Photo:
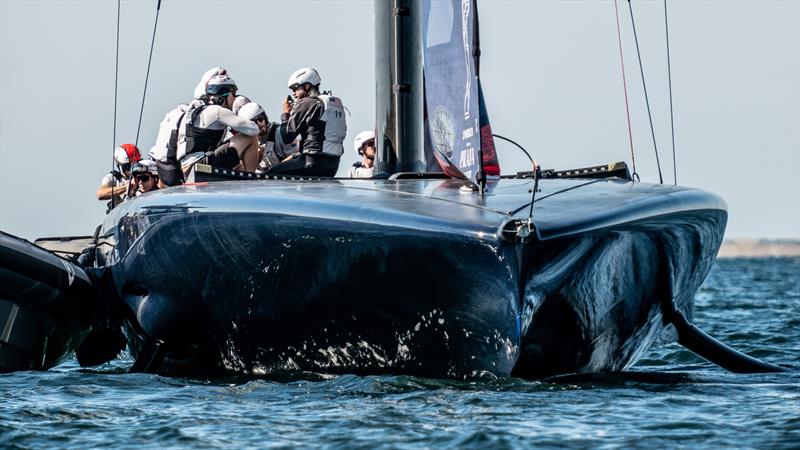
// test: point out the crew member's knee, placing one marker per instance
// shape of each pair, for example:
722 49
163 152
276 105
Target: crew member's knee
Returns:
243 143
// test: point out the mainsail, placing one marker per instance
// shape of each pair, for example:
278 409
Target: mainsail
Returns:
457 124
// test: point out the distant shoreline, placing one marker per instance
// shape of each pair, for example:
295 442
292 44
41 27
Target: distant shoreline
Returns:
759 248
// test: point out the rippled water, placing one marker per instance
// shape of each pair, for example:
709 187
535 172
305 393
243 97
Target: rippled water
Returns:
672 399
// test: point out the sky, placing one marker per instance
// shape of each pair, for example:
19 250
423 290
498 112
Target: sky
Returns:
550 71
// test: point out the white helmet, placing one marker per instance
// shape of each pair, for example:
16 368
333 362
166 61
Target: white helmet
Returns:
220 84
304 75
250 111
145 166
126 154
200 89
238 102
361 138
151 166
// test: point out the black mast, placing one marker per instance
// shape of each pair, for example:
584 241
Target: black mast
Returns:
399 108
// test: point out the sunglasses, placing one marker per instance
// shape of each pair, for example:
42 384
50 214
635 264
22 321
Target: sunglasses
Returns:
143 178
125 167
260 119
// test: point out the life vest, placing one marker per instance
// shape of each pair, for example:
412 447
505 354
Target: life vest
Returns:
335 125
169 169
167 138
172 144
201 139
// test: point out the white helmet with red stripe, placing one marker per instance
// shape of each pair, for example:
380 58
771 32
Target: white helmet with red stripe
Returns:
126 154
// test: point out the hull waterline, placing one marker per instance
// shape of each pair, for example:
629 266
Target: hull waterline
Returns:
407 277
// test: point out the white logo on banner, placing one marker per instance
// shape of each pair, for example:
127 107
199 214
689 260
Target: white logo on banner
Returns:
443 131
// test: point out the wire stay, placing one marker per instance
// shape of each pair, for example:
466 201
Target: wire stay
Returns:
646 98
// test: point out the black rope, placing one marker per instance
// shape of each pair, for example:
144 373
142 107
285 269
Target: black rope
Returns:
536 173
671 114
646 98
116 78
518 146
147 76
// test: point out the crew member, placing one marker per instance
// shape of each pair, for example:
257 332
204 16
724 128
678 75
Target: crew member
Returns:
114 185
272 149
164 152
365 146
318 119
144 178
205 125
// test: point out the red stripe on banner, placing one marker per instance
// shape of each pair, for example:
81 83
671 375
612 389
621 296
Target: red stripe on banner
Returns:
491 165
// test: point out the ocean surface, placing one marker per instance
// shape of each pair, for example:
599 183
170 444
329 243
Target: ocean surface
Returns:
670 399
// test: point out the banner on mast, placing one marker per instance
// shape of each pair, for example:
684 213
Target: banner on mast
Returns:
457 125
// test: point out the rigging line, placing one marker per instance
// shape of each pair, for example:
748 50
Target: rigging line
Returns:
536 175
671 114
625 88
533 163
147 76
116 79
646 98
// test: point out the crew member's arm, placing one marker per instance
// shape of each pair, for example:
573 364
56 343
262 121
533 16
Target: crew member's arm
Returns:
295 123
244 126
133 188
107 190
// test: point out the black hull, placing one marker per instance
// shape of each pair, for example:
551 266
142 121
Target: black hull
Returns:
47 306
599 300
279 293
417 277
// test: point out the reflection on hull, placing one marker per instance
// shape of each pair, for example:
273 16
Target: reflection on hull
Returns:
274 292
264 276
598 302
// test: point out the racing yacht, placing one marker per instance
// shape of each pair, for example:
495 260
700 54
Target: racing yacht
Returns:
437 266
